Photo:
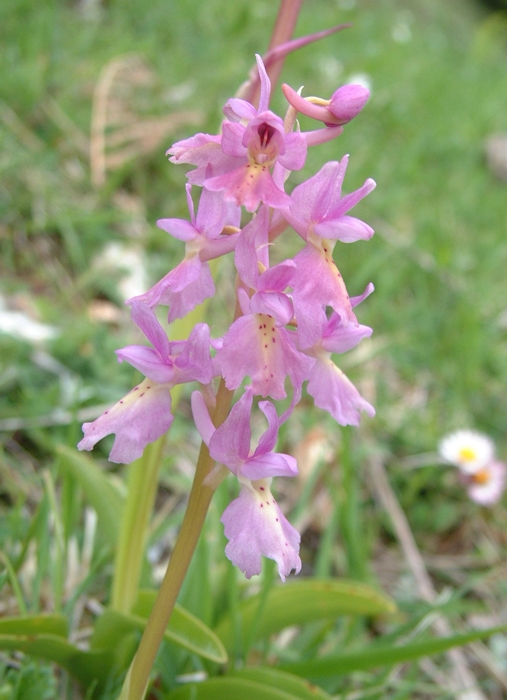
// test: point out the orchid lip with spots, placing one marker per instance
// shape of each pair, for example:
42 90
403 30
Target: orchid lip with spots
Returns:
290 318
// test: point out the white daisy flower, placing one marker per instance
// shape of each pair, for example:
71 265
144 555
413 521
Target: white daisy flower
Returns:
467 449
486 485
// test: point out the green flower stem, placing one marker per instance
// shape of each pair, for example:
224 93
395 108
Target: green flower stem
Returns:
138 676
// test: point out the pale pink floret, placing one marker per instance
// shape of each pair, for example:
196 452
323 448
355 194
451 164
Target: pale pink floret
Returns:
261 144
258 138
256 527
229 444
190 282
319 207
202 150
141 417
257 344
318 214
486 485
331 389
144 414
253 523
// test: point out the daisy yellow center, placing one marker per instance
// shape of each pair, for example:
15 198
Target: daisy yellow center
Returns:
467 454
481 477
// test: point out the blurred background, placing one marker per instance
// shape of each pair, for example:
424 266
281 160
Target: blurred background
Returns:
94 92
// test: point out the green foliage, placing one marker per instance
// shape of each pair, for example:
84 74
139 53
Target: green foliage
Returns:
301 602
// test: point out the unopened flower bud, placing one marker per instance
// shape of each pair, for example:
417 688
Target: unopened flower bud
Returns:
347 102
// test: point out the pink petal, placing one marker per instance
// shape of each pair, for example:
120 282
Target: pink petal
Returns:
194 362
255 347
230 443
346 229
335 393
181 229
181 303
141 417
202 419
144 317
256 527
268 465
249 186
148 362
339 338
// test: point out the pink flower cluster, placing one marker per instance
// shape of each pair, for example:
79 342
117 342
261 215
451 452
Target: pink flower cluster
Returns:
291 317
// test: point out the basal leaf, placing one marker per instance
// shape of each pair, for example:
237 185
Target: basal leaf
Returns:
184 629
384 655
304 601
34 624
281 680
89 668
229 688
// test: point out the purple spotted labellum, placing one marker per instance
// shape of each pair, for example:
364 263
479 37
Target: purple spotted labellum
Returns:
254 523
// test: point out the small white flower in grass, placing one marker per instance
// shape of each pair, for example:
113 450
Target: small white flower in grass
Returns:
486 485
466 449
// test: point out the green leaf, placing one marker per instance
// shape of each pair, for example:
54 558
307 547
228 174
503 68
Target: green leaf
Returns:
383 655
34 624
87 667
98 489
304 601
281 680
230 689
184 629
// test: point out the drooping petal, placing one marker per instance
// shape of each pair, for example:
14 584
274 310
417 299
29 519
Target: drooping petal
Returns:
296 148
212 214
334 392
138 419
255 527
183 275
339 338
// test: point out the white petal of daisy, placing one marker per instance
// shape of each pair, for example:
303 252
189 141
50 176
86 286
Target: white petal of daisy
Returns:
467 450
